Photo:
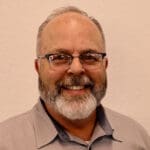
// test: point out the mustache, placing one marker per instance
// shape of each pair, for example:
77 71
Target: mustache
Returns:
75 80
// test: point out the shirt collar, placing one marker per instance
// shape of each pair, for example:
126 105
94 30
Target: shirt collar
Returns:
103 121
114 123
46 131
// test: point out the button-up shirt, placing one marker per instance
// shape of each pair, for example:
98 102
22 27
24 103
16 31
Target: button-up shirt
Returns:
35 130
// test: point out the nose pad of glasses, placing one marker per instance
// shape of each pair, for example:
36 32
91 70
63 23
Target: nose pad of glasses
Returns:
76 66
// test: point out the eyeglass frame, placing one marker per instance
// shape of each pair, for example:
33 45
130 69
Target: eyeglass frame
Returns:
71 57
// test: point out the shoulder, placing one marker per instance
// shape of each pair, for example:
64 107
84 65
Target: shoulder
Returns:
17 132
17 121
14 126
127 129
119 120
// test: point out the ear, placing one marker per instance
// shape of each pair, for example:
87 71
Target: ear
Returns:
105 62
36 65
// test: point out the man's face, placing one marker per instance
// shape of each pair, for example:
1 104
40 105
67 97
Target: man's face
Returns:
74 92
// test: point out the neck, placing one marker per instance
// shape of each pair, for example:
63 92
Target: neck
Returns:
81 128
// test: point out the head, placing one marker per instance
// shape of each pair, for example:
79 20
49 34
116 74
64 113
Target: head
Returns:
75 89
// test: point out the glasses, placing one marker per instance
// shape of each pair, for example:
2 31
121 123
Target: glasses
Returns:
62 61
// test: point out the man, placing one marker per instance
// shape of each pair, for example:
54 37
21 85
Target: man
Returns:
71 64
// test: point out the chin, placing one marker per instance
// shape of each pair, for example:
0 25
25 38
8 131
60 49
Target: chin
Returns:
76 108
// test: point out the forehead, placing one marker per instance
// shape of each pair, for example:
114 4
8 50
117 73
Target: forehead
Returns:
70 29
70 18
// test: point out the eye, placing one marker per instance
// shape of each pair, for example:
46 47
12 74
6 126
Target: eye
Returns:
89 58
59 58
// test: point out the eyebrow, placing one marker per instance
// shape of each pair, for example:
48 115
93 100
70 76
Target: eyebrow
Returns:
67 51
89 51
61 50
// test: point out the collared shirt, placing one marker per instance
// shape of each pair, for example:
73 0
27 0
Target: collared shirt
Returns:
36 130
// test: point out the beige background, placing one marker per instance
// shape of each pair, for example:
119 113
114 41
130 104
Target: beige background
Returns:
126 25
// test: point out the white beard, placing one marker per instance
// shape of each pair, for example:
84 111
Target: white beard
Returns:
73 107
79 107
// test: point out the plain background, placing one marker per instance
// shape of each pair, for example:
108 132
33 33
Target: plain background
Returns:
126 25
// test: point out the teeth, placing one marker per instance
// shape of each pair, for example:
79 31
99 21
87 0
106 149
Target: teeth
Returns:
75 87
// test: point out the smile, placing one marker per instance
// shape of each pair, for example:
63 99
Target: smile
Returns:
74 87
77 87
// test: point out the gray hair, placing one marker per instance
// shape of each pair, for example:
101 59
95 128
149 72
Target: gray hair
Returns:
63 10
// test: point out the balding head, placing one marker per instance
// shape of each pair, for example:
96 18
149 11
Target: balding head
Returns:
65 16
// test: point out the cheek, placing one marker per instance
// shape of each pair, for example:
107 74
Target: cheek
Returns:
50 77
98 76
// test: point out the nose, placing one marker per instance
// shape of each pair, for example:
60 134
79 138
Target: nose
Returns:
76 67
